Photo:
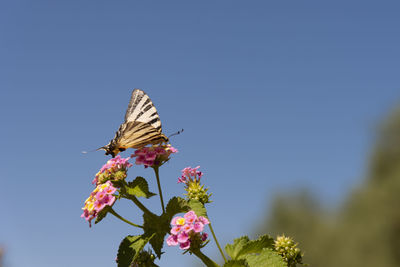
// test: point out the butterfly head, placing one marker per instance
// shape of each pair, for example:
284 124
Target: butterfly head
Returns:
112 149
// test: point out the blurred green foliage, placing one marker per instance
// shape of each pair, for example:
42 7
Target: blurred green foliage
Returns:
365 230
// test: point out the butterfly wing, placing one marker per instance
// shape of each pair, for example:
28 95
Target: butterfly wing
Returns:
138 134
142 109
142 125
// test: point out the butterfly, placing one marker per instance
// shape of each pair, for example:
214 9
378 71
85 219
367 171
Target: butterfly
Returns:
142 126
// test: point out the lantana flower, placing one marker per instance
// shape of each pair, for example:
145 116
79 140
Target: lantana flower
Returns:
187 231
153 156
191 178
190 174
101 197
115 169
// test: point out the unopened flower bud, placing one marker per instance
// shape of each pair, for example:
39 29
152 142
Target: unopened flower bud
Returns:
287 248
197 192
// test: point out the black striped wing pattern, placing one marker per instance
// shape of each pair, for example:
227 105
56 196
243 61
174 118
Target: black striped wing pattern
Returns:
142 126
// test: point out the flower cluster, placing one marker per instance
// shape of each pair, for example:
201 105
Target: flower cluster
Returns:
99 198
186 231
191 178
115 169
287 248
190 174
154 156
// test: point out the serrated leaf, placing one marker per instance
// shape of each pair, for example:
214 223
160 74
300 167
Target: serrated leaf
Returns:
102 214
236 263
157 242
256 246
266 258
234 249
176 205
159 226
145 259
198 208
138 188
130 248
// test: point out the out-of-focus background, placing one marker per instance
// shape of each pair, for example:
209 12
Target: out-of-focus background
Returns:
363 229
290 109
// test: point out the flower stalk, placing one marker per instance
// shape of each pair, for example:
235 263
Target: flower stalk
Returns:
216 241
113 212
155 168
206 260
140 205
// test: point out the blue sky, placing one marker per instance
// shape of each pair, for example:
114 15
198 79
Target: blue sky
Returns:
273 96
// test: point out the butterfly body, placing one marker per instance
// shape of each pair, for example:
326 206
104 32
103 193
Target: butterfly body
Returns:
142 126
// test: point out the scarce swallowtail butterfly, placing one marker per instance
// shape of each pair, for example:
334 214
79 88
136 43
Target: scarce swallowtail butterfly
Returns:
142 126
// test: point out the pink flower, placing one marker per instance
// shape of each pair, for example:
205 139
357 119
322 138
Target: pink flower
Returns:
148 162
160 150
190 174
173 150
98 199
175 230
109 190
153 156
183 237
182 179
204 220
186 171
185 245
190 216
172 240
109 200
198 227
100 195
204 237
175 219
140 159
187 230
112 166
85 214
99 205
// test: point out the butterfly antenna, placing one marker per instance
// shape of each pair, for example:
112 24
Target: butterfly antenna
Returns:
178 132
85 152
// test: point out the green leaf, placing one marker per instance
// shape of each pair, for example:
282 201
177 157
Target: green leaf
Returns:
234 249
157 242
130 248
267 258
102 214
198 207
158 226
176 205
145 259
256 246
138 188
243 246
236 263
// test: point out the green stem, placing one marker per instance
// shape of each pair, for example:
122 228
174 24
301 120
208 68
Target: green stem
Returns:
216 241
140 205
113 212
159 188
206 260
